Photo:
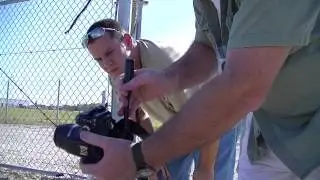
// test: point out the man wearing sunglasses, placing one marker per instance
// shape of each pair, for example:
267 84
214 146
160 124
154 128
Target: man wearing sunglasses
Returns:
110 45
272 50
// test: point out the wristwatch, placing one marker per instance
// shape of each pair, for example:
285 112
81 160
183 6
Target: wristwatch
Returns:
143 169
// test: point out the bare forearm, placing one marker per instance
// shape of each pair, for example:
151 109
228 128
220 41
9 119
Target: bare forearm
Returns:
187 72
208 155
215 108
207 115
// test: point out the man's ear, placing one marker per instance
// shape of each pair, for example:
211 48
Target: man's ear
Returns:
127 40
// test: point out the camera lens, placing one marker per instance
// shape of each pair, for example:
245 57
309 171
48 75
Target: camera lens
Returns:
66 133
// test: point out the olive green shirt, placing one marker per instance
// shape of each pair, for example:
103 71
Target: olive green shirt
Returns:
289 119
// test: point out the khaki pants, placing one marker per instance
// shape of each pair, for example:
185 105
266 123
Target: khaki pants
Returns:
268 168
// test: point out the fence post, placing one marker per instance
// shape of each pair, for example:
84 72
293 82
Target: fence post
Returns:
7 103
124 16
58 101
140 5
103 96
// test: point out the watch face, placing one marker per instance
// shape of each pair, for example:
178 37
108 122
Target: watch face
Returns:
145 173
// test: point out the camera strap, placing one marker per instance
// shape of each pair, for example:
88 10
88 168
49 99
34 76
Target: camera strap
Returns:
128 75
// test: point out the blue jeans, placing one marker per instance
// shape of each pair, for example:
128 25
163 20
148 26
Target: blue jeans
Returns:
181 168
226 158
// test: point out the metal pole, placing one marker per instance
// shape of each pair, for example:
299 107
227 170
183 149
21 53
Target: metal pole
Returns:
133 20
109 98
140 5
116 10
7 103
124 16
137 22
58 100
103 97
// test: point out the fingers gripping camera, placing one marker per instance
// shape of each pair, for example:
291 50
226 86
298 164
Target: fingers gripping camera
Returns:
67 136
97 120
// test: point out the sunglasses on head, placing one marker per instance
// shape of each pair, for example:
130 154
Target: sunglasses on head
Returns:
97 33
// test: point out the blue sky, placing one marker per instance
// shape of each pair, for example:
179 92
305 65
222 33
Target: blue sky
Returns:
36 53
169 21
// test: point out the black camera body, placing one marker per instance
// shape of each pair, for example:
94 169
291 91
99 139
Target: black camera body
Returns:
67 136
99 121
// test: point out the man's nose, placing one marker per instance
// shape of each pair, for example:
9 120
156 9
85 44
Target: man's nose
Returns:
107 61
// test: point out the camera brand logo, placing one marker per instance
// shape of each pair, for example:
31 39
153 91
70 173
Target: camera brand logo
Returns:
83 150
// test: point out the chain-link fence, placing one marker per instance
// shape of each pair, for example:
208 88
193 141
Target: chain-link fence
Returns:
52 68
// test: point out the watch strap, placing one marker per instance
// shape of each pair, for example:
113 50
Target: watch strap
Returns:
138 157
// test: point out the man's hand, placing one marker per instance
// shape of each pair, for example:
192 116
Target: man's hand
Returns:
146 85
117 162
184 73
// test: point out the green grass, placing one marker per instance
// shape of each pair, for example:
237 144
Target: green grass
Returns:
34 116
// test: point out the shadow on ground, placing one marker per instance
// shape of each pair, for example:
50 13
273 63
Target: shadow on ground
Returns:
8 174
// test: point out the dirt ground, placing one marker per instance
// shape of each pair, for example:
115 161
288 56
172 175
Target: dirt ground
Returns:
33 147
9 174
